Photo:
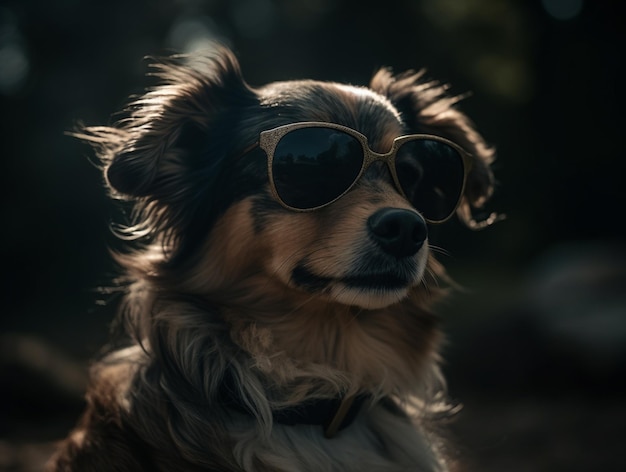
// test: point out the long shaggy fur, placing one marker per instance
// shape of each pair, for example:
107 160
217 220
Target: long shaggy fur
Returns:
231 296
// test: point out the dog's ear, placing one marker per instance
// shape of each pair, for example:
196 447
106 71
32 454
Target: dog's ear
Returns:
145 155
426 107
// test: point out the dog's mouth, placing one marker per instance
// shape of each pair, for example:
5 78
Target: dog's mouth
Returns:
380 281
377 281
366 288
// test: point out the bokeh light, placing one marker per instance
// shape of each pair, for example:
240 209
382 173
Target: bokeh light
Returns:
563 9
189 34
14 62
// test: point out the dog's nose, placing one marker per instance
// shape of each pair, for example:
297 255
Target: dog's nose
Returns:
398 232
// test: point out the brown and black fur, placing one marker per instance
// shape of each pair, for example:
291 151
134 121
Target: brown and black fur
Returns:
230 295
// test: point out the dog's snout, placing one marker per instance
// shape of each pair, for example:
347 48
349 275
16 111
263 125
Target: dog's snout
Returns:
398 232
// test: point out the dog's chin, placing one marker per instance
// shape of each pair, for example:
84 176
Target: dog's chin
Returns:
370 298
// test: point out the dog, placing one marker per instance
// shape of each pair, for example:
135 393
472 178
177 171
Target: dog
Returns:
278 279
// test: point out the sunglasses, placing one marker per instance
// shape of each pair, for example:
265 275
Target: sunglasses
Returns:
311 165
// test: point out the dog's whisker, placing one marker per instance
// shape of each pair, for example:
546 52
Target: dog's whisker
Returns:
433 277
425 285
440 250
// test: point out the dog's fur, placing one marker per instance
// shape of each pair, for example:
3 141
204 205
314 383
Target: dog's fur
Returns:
228 288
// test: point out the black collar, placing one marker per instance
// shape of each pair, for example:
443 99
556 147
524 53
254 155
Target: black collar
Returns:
333 414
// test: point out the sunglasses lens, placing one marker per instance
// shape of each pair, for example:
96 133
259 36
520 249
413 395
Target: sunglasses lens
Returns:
314 166
431 174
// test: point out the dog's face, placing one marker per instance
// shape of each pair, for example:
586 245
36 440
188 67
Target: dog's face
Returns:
187 157
367 249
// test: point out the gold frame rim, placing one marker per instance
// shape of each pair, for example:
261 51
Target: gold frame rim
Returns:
269 139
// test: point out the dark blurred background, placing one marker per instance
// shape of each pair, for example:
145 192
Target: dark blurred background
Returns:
536 347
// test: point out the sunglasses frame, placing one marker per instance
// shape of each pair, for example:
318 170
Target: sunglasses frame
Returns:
269 139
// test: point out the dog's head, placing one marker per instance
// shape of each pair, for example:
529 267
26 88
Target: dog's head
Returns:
295 216
188 156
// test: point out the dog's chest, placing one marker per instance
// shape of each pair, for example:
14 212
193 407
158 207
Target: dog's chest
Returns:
377 440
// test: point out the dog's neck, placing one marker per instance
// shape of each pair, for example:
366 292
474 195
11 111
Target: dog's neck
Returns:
336 349
331 414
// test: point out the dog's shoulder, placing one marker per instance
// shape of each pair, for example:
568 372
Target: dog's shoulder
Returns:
100 441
